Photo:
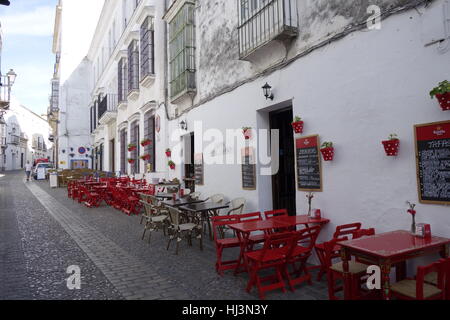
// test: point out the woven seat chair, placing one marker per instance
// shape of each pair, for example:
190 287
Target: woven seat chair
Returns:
177 229
237 206
155 219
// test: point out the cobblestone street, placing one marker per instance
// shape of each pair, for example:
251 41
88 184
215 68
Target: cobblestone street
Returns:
43 233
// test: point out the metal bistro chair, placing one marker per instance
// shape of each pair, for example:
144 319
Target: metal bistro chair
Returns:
237 206
177 228
155 219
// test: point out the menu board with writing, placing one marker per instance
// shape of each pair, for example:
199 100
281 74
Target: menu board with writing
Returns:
309 170
433 162
248 169
198 169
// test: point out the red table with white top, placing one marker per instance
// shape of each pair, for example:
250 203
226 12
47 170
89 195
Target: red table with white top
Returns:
387 250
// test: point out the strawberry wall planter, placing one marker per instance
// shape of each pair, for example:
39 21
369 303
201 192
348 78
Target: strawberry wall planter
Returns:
444 101
146 157
171 165
391 147
145 143
247 133
131 148
131 161
298 126
168 153
327 153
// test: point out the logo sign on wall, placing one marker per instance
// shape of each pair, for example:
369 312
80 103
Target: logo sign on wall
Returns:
81 150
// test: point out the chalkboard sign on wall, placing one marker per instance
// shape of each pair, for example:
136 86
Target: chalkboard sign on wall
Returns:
248 169
433 162
198 169
309 170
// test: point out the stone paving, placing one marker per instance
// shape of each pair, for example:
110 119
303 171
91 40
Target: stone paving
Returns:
115 263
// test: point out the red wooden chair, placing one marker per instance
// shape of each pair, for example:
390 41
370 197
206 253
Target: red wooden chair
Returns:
275 213
336 271
363 233
272 255
432 278
301 250
90 198
418 289
253 239
341 232
222 242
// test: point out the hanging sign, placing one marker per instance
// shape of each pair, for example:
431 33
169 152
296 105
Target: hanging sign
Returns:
248 169
309 168
433 162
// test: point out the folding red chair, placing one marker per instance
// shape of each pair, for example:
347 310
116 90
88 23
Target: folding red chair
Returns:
363 233
219 223
341 232
303 245
271 256
253 239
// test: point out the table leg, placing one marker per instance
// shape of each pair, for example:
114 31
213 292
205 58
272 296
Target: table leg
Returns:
243 239
386 280
345 256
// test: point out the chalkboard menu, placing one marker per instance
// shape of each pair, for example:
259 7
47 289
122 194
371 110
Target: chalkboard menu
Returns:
309 170
198 169
433 162
248 169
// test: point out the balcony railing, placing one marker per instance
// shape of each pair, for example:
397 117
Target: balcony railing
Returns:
5 93
264 21
3 142
107 108
15 139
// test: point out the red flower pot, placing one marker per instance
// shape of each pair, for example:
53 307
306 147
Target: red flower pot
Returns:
248 134
130 161
168 154
146 143
391 147
146 157
444 100
327 153
172 167
130 149
298 126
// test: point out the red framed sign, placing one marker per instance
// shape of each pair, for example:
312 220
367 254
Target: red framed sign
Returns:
309 165
433 162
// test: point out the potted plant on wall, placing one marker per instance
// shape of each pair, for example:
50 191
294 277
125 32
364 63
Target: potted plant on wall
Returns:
442 93
298 125
171 164
392 145
132 147
247 131
146 142
145 157
168 153
131 161
327 150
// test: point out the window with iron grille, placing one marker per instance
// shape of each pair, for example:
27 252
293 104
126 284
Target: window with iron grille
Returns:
149 132
147 48
133 66
122 80
134 139
54 103
123 151
182 51
261 21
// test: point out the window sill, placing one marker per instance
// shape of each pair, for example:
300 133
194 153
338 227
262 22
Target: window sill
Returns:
185 94
133 95
122 104
148 80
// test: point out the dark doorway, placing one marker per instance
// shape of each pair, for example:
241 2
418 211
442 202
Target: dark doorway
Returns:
283 183
112 152
189 157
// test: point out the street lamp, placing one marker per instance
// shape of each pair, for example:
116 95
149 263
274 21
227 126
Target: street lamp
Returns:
268 91
6 83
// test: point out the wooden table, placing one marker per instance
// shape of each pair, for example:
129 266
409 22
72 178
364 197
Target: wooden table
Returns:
244 229
164 196
206 209
387 250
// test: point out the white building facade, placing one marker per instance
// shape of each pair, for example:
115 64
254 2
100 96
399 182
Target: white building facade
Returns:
26 137
188 75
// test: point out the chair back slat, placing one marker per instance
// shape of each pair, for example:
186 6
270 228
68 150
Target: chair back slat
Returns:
249 217
220 222
279 242
275 213
363 233
422 271
346 230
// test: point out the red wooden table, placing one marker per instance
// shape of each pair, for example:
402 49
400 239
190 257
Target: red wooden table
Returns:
244 229
388 249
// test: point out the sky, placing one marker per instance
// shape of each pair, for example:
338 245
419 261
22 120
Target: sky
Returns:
27 28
